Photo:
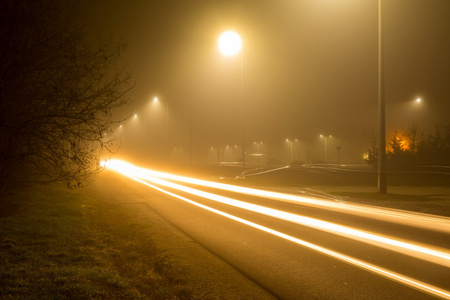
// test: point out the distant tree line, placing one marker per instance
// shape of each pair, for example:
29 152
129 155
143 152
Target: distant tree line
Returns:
411 147
57 93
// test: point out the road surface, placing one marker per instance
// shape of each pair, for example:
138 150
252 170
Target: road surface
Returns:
296 247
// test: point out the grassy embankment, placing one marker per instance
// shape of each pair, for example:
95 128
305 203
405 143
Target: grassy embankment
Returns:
60 244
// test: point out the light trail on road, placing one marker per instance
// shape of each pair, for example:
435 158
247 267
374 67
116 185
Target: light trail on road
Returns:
432 254
426 221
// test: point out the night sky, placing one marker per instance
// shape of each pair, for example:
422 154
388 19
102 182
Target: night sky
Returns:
309 68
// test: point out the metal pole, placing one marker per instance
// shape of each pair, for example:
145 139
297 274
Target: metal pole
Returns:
168 141
291 149
382 183
190 133
243 108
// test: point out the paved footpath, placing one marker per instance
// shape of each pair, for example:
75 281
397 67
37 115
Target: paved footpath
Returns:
206 273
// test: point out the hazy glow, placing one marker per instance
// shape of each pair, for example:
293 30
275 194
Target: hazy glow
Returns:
229 43
403 142
391 215
435 255
419 251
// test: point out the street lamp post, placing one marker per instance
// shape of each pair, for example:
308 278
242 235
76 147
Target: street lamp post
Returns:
382 182
338 148
167 128
258 152
426 127
229 44
325 144
291 142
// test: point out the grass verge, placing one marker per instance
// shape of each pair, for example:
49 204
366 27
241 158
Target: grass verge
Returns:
60 244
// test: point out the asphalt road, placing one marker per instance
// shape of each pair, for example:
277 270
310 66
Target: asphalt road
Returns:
301 258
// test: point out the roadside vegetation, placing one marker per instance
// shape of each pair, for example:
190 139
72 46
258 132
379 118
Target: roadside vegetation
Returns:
60 90
410 148
57 244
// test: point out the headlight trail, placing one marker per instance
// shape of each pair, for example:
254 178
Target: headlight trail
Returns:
392 215
424 287
435 255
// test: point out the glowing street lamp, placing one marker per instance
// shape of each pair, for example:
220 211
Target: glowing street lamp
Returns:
230 44
424 107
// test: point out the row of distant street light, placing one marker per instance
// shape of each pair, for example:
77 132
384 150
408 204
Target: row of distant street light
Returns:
230 43
179 151
260 150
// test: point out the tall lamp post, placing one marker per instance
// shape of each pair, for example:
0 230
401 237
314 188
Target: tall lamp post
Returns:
325 146
230 44
258 151
291 143
421 103
167 128
382 182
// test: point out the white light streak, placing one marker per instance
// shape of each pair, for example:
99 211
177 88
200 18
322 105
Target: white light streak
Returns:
435 255
391 215
356 262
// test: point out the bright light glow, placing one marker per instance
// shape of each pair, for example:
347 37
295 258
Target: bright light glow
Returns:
155 99
438 256
104 163
418 100
230 43
135 115
387 214
435 255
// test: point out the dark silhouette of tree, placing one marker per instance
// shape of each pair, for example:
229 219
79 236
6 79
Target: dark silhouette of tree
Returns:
413 138
412 148
57 93
435 149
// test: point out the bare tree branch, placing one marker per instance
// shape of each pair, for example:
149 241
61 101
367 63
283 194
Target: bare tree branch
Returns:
57 94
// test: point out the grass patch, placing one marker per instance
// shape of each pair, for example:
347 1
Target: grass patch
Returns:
60 244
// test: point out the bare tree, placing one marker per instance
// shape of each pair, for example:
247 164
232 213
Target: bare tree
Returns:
57 94
413 136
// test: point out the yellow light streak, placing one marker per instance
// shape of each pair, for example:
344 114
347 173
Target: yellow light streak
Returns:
408 281
392 215
435 255
432 254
